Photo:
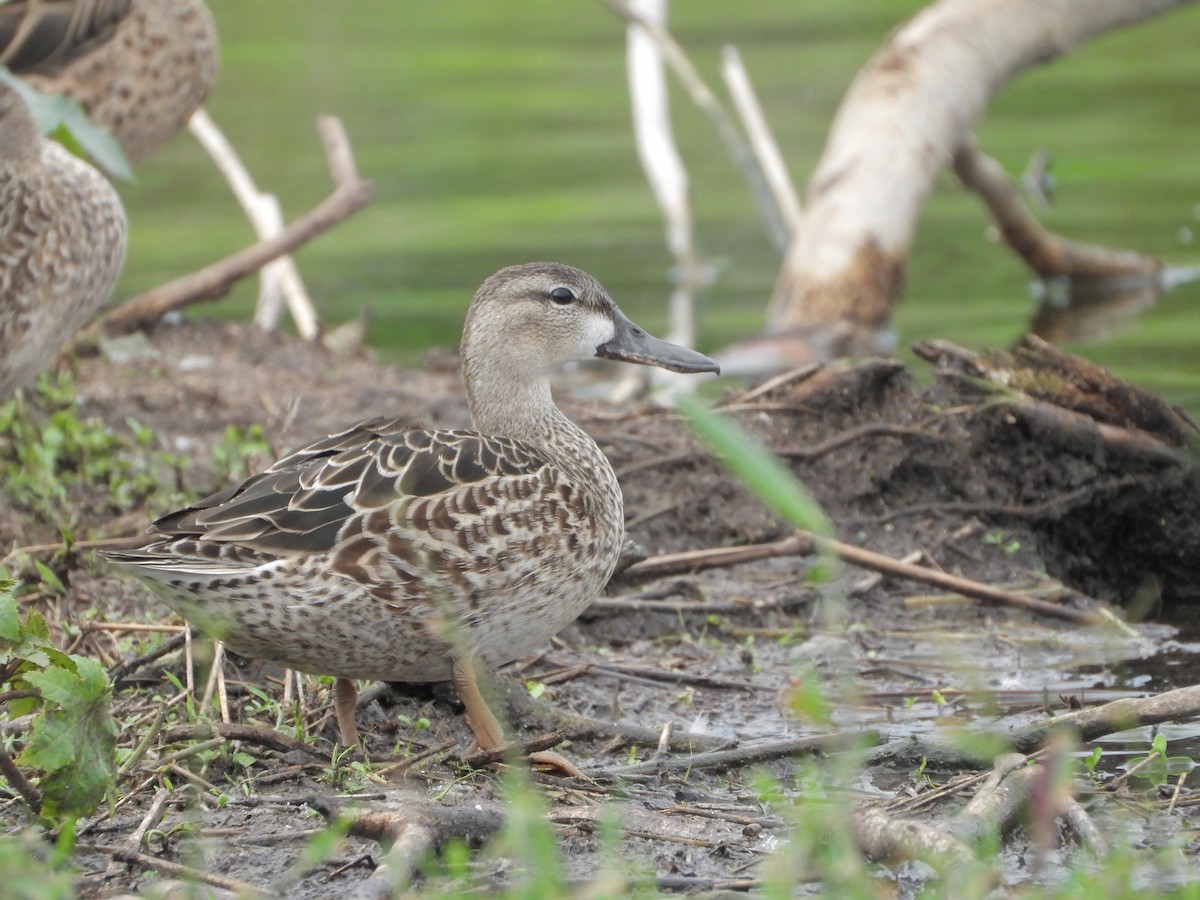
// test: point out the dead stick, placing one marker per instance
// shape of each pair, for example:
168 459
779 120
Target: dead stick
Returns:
233 731
799 544
804 543
883 837
879 563
165 867
20 783
763 751
1046 253
1097 721
350 195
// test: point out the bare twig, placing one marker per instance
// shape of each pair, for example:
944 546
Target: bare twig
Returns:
280 278
762 751
883 837
1081 825
233 731
350 195
878 562
707 102
804 543
19 782
1095 722
153 816
796 375
1047 254
165 867
120 670
762 141
798 544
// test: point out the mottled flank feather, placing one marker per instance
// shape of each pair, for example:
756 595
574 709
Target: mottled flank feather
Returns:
390 553
62 244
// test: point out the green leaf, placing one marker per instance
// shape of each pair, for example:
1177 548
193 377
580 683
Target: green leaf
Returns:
535 688
10 619
49 578
73 743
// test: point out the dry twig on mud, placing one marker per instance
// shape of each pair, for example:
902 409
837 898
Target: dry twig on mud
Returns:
411 833
350 195
760 751
233 731
1120 715
1089 724
18 781
882 837
166 867
805 543
1006 790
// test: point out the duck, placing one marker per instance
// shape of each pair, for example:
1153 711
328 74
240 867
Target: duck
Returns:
392 553
139 68
62 243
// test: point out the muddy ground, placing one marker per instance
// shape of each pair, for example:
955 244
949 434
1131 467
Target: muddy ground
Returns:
1022 472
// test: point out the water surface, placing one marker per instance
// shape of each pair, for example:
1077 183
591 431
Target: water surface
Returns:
498 133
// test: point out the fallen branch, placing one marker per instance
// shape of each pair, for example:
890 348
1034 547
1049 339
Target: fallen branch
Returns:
411 834
762 751
165 867
350 195
1088 724
707 103
17 780
877 562
799 544
1120 715
882 837
1047 254
804 543
481 758
762 141
233 731
280 277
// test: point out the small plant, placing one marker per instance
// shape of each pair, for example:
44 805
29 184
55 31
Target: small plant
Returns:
50 456
72 741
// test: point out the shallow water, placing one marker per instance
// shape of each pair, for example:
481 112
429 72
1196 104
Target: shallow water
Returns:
501 134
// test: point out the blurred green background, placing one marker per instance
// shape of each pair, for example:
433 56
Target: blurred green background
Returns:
499 133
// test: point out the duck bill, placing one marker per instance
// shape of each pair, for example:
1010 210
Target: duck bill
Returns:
633 344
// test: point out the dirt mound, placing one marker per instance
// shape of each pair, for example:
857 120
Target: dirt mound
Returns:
1003 470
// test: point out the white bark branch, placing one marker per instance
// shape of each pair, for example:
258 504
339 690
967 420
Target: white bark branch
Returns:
762 140
902 120
280 280
350 194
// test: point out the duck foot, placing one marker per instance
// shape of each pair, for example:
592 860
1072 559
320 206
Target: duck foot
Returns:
489 734
345 697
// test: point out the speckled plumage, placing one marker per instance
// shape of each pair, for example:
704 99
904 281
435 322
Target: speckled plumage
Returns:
62 244
139 68
390 553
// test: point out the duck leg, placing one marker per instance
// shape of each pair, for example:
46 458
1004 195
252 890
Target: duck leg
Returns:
489 735
344 697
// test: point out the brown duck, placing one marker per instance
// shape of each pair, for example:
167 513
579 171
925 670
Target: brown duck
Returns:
389 553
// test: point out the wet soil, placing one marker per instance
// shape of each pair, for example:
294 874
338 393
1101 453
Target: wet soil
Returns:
1021 470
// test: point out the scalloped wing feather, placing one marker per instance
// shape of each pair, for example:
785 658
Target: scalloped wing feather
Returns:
387 480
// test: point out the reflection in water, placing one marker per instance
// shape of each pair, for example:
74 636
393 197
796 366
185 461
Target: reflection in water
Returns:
1073 309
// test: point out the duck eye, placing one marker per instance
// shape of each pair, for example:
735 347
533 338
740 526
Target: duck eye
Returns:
562 296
